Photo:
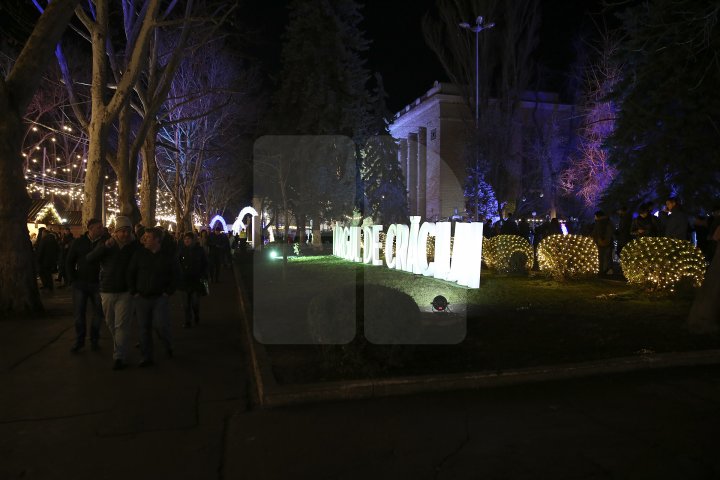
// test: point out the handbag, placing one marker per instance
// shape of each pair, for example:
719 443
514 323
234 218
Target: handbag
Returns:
204 287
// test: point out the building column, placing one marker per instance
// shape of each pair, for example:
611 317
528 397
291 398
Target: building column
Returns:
402 157
412 171
422 172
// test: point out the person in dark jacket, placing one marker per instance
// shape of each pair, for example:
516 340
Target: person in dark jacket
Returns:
509 227
645 224
553 228
193 271
84 277
622 235
151 279
114 256
675 222
218 244
66 239
48 252
602 235
524 229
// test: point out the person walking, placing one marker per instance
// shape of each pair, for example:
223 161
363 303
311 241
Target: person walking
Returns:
48 252
602 235
151 280
217 244
114 256
193 271
84 277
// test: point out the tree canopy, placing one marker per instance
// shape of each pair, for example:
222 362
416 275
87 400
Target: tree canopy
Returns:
667 131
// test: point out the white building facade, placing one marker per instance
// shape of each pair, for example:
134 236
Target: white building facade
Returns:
434 133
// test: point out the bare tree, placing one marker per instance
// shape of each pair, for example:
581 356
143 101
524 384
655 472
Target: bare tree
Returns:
590 173
18 285
504 73
544 158
142 67
54 147
209 109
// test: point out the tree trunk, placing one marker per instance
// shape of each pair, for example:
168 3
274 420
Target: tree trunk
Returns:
18 287
126 168
148 192
300 232
316 234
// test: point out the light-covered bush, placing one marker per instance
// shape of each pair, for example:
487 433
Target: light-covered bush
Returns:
568 256
508 253
660 263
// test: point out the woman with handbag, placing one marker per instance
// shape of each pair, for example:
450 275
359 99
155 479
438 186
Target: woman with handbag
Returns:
193 276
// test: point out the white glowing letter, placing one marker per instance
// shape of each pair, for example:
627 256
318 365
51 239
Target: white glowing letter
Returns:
347 240
467 254
389 238
368 247
375 235
412 250
403 234
355 255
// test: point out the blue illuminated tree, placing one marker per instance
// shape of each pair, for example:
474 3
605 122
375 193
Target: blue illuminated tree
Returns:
481 194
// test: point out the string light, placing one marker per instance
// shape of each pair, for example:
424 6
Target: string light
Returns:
43 180
568 256
498 252
659 263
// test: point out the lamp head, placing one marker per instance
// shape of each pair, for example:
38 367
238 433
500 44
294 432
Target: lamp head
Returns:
440 304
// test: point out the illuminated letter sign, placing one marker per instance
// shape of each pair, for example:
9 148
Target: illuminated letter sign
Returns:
460 264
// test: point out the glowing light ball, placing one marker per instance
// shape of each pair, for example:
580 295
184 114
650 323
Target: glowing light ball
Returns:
568 256
500 253
659 263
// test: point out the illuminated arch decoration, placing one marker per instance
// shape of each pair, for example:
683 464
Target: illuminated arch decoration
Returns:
218 218
239 225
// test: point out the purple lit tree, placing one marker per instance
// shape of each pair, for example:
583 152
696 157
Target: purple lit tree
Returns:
544 152
123 56
590 173
140 57
208 110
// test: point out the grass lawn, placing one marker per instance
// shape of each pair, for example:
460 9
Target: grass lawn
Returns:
509 322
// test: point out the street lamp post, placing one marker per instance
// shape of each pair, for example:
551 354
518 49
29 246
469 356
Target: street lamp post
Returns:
477 28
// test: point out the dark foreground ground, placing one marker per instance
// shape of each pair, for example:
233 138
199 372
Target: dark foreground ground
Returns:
68 416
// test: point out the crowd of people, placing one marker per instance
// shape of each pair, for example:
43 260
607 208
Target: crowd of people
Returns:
612 233
126 276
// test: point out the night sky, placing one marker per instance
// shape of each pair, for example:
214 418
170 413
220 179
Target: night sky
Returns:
409 67
398 50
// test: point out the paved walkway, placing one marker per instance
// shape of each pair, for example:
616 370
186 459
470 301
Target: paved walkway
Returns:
649 425
70 416
65 416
